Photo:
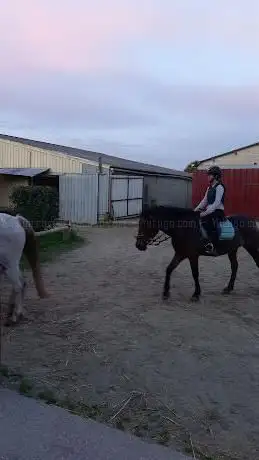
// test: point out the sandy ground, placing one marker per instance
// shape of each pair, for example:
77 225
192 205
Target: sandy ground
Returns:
106 332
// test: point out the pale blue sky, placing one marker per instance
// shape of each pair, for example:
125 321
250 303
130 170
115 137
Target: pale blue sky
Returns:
163 82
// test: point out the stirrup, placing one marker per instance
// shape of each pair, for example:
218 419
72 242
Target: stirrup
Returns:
209 247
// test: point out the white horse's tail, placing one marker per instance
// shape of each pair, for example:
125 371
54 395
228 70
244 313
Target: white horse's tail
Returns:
31 251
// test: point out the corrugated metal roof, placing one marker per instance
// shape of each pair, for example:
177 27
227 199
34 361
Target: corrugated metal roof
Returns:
235 166
237 149
114 162
25 172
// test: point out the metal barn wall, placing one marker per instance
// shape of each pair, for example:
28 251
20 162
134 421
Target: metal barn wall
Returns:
83 197
17 155
242 189
170 191
126 195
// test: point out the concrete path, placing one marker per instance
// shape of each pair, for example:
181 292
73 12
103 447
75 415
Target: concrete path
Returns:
31 430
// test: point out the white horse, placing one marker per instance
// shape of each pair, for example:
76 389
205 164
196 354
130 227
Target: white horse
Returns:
17 236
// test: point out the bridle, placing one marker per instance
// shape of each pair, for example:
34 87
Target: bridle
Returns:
158 239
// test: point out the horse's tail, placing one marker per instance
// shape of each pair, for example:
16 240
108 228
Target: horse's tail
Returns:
248 229
31 251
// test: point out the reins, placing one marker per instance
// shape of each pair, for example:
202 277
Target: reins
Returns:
157 240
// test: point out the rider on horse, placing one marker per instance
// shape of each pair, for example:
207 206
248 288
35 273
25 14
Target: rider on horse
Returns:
213 203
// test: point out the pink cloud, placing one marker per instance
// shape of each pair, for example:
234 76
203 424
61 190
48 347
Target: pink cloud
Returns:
80 35
72 36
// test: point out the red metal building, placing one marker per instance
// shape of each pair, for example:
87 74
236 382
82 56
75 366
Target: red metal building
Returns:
242 189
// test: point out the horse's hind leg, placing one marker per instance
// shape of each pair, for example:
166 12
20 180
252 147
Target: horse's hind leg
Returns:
254 253
234 267
12 300
171 267
15 311
194 262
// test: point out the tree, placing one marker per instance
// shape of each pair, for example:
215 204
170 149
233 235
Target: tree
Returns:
191 167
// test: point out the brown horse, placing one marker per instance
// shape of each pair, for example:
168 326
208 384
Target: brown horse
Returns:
183 226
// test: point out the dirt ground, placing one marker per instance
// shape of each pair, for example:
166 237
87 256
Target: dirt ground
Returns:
105 332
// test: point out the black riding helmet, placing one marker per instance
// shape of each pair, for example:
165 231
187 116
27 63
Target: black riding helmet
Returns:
215 171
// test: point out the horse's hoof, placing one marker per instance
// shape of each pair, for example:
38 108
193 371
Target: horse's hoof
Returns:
10 310
195 298
226 291
9 322
22 318
166 296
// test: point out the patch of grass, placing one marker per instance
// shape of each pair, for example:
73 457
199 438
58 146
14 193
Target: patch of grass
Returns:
54 244
47 396
25 387
188 450
4 371
163 437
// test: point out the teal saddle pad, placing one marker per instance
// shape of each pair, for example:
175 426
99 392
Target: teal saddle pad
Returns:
226 230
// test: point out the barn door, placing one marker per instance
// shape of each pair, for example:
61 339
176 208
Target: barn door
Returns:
126 195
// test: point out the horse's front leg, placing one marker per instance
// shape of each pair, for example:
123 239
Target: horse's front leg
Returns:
11 303
171 267
194 263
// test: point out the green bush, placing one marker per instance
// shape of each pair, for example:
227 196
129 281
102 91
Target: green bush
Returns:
39 204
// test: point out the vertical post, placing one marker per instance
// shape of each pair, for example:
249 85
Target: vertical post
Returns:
143 193
128 196
100 165
100 169
1 332
110 192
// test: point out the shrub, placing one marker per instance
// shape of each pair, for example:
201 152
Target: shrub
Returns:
39 204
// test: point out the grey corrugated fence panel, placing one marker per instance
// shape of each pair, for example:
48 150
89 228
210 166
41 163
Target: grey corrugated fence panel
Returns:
135 196
167 191
126 195
78 198
119 186
103 207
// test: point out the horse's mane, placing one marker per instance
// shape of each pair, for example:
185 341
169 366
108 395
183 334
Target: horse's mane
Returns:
168 212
